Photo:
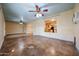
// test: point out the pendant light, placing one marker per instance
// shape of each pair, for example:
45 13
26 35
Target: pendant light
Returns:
21 21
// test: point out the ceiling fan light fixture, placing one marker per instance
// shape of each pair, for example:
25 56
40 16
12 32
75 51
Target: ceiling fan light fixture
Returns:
38 15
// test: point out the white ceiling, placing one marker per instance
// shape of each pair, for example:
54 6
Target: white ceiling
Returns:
14 11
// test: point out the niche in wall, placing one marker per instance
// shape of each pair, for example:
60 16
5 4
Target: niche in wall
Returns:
50 26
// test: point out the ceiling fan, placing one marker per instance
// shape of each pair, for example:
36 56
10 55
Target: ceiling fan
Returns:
39 11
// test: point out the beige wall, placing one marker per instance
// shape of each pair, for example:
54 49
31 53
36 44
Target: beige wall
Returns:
29 28
76 27
64 27
12 27
2 28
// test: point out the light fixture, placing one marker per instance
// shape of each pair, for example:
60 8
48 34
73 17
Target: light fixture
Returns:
21 21
38 15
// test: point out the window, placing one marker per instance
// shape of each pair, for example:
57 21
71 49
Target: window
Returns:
50 26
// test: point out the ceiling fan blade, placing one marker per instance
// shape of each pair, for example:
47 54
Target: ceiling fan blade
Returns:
46 10
37 8
32 11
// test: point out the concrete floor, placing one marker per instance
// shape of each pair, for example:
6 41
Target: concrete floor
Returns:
37 46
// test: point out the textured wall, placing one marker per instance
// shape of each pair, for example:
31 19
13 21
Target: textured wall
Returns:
76 27
12 27
2 27
29 28
64 27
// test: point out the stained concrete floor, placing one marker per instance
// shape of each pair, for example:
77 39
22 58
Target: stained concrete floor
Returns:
37 46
